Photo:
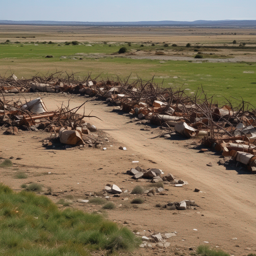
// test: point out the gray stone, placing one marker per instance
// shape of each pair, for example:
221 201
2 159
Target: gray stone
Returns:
156 179
169 177
159 190
138 175
158 172
149 175
82 201
145 238
182 205
169 235
92 128
133 171
157 237
108 188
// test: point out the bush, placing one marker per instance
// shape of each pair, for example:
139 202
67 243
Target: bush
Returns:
166 45
206 251
234 42
122 50
20 175
137 190
142 45
109 206
129 44
23 186
188 45
50 42
67 43
97 200
153 44
199 56
34 187
6 163
75 43
174 45
137 201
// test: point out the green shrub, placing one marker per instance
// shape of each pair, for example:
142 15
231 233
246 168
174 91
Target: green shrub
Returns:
122 50
75 43
23 185
199 56
234 42
109 206
34 187
137 201
188 45
174 45
97 200
129 44
20 175
137 190
6 163
67 43
206 251
166 45
142 45
153 44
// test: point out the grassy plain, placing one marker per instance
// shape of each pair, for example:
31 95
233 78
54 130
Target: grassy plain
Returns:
25 56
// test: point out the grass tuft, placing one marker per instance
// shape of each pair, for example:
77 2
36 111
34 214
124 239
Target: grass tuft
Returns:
20 175
34 187
206 251
97 200
109 206
156 185
137 190
137 201
6 163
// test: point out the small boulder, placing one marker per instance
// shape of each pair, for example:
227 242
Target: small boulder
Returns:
91 127
169 177
149 175
182 205
115 189
157 237
138 175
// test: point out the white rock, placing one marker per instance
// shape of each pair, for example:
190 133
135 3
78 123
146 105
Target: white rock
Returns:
82 201
115 189
169 235
145 238
158 237
182 206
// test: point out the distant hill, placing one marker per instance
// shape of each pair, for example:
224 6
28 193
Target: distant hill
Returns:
197 23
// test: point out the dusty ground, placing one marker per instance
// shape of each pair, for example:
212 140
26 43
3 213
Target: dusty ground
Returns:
183 35
226 216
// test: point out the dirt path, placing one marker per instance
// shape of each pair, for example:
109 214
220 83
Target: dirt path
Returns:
226 216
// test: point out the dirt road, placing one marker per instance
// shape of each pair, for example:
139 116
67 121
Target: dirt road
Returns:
226 216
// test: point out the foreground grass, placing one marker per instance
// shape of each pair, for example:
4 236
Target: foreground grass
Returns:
33 225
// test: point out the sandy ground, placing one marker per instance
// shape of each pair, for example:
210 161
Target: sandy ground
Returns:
226 216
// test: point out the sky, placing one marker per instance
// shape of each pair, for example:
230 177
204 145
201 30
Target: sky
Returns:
127 10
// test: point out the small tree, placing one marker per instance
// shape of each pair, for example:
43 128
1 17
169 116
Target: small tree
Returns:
122 50
75 43
188 45
234 42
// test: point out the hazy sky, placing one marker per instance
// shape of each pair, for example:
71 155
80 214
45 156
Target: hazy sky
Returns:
127 10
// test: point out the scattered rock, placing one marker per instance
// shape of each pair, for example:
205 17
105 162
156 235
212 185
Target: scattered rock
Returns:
157 237
92 128
209 164
196 190
182 205
12 130
168 235
169 177
115 189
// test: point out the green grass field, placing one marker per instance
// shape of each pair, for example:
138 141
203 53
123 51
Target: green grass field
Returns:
231 80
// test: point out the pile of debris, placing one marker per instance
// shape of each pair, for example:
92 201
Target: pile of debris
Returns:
155 175
64 124
229 128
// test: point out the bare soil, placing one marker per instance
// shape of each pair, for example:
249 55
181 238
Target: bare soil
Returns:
226 216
